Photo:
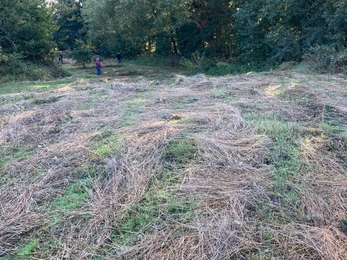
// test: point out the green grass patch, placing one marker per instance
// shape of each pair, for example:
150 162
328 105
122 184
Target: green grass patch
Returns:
336 131
46 101
180 151
26 250
284 160
88 171
12 151
85 106
154 67
223 68
220 93
75 196
285 152
133 108
15 87
86 73
158 208
161 205
105 145
273 126
180 102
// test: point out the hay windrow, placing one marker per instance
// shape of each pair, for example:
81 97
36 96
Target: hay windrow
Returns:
235 167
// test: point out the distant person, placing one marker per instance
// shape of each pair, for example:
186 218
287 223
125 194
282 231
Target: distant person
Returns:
98 66
61 58
119 58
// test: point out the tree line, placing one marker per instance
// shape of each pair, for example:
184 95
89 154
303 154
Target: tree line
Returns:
252 33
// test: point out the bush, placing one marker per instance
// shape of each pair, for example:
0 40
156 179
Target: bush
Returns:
15 68
327 58
201 61
186 63
223 68
81 56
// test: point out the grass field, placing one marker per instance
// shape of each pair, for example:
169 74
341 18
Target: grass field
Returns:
149 163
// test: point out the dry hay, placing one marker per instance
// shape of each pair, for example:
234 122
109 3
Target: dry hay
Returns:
224 189
227 186
306 98
324 181
307 242
128 176
55 134
226 183
199 82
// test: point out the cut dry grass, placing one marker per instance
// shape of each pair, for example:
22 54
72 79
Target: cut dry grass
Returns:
235 167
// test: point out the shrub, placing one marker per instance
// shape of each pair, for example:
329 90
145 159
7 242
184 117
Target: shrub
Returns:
15 68
186 63
327 58
81 56
221 69
201 61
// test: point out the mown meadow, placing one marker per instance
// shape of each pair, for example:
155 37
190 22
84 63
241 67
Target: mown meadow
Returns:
152 163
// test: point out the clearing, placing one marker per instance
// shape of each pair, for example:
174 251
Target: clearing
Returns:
146 163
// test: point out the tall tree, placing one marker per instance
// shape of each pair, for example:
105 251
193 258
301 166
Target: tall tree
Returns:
68 17
335 16
251 25
176 26
137 24
26 28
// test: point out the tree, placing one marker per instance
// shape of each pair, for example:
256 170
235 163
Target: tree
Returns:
251 25
160 25
132 26
68 17
26 28
250 32
107 28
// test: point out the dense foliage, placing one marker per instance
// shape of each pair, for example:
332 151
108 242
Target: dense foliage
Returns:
26 29
26 41
245 33
68 17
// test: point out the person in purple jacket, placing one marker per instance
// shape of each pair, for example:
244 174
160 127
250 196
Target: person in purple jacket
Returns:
98 66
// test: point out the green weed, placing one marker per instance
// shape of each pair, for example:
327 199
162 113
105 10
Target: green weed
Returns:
180 102
88 170
28 249
331 128
105 146
75 196
180 151
157 208
273 126
12 151
85 106
160 206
